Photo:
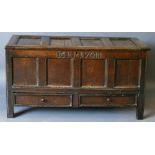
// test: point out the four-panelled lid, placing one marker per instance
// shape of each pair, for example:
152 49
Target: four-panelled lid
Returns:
66 42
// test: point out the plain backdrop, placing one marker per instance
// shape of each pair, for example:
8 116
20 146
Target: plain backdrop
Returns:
79 16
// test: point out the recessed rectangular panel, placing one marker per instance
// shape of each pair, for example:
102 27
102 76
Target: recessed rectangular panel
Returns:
24 71
66 41
99 101
122 42
59 72
93 73
44 100
127 73
29 41
62 42
91 42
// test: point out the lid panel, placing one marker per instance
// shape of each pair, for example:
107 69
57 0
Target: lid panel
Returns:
63 42
56 42
91 42
29 41
122 42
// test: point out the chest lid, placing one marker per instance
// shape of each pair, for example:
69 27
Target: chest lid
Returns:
70 42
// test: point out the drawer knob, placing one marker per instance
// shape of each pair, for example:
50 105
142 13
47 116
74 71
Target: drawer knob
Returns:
108 100
43 100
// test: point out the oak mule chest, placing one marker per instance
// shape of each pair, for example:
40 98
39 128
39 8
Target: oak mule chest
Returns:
44 71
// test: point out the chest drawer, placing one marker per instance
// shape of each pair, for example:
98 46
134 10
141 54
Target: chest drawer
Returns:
45 100
99 101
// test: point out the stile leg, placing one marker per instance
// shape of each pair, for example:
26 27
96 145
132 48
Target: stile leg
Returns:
140 107
10 106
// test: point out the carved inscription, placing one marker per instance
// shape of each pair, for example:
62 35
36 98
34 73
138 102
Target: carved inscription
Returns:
81 55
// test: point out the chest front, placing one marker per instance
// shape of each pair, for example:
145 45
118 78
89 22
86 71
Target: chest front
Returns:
76 77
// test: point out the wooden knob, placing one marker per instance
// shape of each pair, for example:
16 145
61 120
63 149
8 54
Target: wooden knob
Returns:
43 100
108 99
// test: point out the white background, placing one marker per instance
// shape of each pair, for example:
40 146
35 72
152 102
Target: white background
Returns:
77 16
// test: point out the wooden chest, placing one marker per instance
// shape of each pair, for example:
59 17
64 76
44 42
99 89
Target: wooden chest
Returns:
75 72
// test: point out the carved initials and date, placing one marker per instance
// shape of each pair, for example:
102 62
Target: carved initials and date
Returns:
81 55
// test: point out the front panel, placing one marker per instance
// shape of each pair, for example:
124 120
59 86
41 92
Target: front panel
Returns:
127 73
24 71
60 72
93 73
84 69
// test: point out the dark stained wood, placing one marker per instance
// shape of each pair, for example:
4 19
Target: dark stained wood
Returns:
99 101
42 71
27 41
44 100
75 72
76 100
121 42
35 42
127 73
111 72
24 71
9 77
64 42
91 42
93 73
59 72
141 95
53 53
75 90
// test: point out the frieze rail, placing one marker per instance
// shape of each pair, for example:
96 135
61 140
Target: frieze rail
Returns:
81 55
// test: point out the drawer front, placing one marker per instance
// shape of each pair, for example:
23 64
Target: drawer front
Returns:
45 101
99 101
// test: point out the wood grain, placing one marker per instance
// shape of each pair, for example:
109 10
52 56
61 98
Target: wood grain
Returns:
58 71
33 42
